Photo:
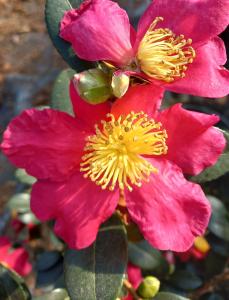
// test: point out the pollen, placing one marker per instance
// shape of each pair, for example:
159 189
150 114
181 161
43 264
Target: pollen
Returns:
163 55
115 155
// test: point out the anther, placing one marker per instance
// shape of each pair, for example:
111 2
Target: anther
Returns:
161 52
116 159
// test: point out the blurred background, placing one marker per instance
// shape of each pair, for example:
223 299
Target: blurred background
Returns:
29 65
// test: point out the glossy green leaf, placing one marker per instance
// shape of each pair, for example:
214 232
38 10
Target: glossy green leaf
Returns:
214 264
12 286
54 11
48 259
219 223
47 279
220 168
60 93
23 177
168 296
185 280
147 258
96 272
49 269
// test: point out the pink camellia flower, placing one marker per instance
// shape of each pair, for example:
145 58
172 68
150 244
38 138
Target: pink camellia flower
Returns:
176 44
16 259
135 153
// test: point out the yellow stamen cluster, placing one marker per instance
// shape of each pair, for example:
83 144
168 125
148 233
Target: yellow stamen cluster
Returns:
162 55
113 155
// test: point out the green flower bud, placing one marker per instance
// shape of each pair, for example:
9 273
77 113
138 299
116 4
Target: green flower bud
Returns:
120 84
149 287
93 86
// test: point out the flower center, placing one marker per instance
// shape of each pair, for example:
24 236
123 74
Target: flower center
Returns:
114 154
163 55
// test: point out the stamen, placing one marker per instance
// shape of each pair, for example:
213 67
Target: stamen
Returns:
114 156
164 56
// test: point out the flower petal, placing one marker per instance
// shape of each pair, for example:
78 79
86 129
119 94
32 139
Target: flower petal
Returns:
88 113
169 210
138 98
78 205
18 260
4 242
99 30
193 144
199 20
204 77
134 275
47 143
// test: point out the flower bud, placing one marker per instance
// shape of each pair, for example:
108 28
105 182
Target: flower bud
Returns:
201 244
93 86
120 83
149 287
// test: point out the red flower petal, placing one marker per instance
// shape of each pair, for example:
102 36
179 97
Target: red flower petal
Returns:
100 30
4 242
199 20
204 77
47 143
18 260
138 98
78 205
169 210
193 144
134 275
88 113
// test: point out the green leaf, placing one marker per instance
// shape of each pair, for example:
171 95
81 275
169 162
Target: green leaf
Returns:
48 259
168 296
12 286
147 258
96 272
220 168
185 280
60 93
23 177
54 11
219 223
57 294
214 264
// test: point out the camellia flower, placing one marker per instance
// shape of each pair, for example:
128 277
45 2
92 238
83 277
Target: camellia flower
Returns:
176 44
130 151
16 259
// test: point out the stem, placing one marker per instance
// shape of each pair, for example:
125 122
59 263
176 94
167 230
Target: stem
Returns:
131 290
211 285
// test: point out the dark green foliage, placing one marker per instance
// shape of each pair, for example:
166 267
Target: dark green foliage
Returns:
96 273
60 99
54 12
12 286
